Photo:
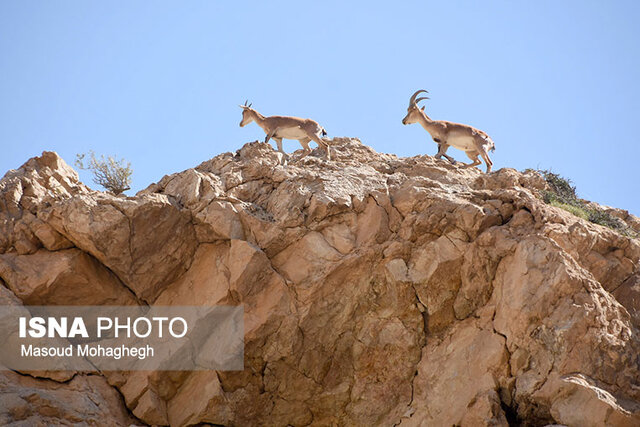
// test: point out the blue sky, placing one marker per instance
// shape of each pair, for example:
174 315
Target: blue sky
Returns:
555 84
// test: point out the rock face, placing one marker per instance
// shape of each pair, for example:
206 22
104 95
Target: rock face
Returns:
377 291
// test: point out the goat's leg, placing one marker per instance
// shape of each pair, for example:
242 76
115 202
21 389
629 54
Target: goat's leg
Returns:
317 138
271 135
473 155
439 153
451 159
487 160
279 144
442 151
305 146
284 155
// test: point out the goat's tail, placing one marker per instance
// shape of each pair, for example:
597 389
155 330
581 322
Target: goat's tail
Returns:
324 132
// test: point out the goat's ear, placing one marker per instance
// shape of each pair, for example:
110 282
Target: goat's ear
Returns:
423 108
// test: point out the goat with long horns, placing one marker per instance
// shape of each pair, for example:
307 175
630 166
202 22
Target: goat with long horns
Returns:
472 141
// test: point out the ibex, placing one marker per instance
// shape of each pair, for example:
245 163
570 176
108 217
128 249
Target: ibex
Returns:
472 141
282 127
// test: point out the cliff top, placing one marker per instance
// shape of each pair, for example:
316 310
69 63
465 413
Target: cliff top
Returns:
377 290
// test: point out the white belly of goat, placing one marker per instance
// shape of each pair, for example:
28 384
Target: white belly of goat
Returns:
291 133
464 143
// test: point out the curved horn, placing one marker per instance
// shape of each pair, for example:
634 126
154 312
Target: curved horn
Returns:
420 99
245 102
413 97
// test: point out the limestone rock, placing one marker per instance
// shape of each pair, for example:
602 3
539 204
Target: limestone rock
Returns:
66 277
86 399
377 291
484 410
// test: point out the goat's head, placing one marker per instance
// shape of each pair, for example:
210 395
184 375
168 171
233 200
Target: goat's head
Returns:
247 116
413 111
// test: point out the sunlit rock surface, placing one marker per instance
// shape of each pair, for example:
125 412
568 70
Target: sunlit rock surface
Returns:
377 291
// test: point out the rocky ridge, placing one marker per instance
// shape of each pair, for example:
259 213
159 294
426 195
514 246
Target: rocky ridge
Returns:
377 290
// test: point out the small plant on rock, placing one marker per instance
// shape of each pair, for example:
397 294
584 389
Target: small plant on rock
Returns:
112 174
562 194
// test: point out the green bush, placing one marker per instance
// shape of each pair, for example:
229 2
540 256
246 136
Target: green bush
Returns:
563 195
110 173
561 188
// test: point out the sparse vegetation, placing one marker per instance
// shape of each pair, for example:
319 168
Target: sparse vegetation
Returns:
577 211
110 173
562 194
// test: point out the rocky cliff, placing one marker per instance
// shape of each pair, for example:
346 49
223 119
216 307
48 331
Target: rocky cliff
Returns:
377 290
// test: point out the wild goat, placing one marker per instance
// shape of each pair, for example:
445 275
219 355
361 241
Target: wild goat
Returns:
472 141
282 127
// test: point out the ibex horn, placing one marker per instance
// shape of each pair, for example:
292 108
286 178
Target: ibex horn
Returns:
413 97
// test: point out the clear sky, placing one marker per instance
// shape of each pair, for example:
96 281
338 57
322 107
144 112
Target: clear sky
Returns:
555 83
